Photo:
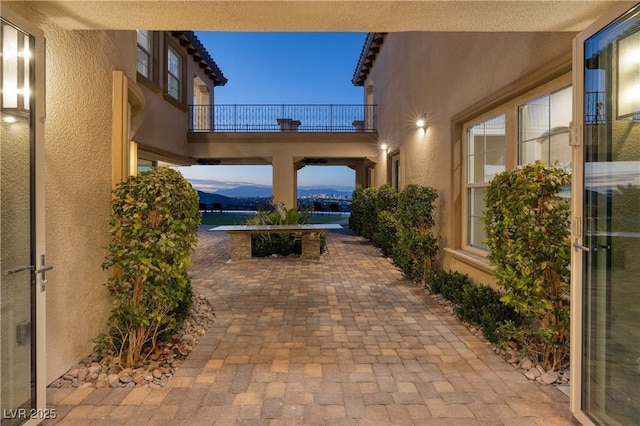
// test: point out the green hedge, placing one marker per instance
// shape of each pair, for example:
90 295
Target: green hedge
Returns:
400 224
154 230
417 247
527 226
477 304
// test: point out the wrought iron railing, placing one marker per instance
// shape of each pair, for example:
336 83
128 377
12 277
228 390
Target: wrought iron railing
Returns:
594 107
282 118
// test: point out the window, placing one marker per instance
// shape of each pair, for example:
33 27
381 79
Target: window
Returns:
144 53
544 129
145 165
531 127
485 158
174 74
395 172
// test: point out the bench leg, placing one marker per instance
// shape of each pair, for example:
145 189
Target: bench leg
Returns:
311 245
240 247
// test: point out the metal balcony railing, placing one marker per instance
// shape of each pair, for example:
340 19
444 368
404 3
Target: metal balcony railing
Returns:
594 107
282 118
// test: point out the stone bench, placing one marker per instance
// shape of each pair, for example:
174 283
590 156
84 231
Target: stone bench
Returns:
241 237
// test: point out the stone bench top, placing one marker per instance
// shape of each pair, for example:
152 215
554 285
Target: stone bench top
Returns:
276 228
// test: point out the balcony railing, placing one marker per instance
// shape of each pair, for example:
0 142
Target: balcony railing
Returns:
282 118
594 107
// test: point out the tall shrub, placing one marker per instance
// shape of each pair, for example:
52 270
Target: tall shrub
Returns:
154 230
357 210
363 212
417 246
385 235
369 214
527 227
386 198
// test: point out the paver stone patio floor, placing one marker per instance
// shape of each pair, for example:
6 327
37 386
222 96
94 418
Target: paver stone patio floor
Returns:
342 341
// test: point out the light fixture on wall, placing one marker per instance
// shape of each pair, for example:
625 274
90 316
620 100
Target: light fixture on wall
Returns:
16 67
384 147
422 121
629 77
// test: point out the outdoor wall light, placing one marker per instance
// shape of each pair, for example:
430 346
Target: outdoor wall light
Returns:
422 121
629 76
16 65
384 147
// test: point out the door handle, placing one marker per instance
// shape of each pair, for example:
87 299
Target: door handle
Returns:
44 269
20 269
579 246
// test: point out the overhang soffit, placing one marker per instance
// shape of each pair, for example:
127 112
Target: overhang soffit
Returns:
325 15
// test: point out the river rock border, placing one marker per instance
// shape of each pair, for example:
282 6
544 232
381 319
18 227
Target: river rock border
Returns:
101 370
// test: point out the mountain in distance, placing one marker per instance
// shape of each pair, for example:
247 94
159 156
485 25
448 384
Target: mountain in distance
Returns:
208 188
266 191
246 191
208 198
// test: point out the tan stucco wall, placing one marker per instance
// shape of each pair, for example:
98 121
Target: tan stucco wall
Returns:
162 124
298 145
78 181
283 150
441 75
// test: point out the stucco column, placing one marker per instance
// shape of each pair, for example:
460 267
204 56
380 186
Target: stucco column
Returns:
284 180
361 174
381 170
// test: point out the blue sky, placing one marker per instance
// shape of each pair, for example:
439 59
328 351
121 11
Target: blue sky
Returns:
283 68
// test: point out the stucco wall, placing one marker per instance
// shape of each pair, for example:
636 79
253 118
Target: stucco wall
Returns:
78 181
162 124
441 75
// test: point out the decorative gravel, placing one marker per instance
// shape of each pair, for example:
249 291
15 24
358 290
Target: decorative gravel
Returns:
100 370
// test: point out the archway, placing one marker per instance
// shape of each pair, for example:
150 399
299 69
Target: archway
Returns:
326 189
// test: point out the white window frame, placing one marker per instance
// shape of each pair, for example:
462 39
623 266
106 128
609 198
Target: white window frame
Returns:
480 184
510 108
550 131
179 78
147 51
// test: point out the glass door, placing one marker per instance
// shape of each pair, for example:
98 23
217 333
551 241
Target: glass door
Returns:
21 270
610 320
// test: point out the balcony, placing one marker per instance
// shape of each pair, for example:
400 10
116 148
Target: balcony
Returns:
282 118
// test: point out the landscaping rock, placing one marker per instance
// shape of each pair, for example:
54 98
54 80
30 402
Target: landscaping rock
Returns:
100 370
125 377
113 380
526 364
82 373
533 374
549 377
